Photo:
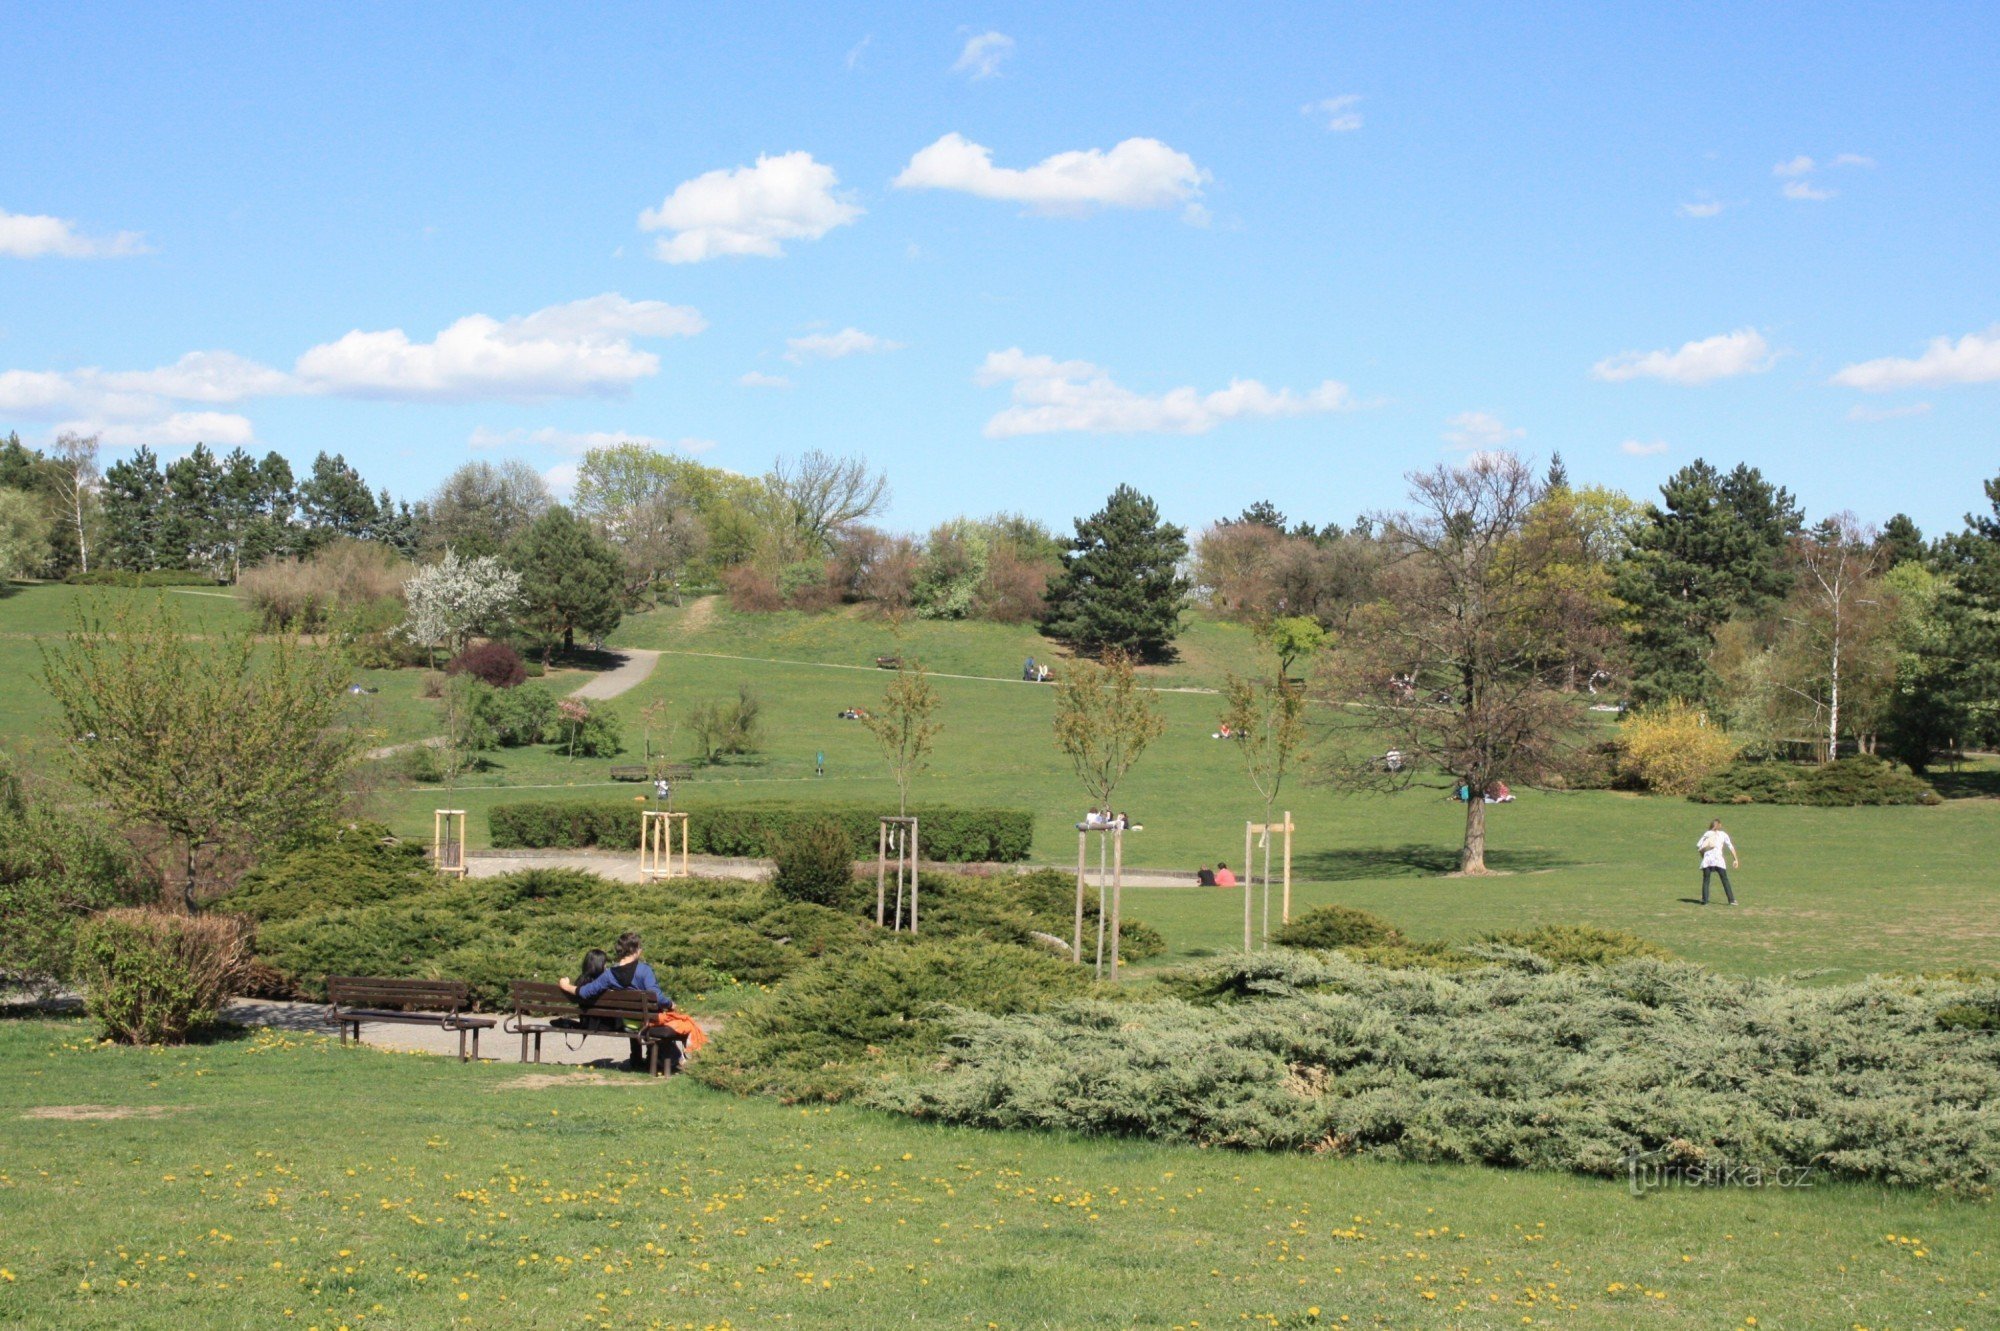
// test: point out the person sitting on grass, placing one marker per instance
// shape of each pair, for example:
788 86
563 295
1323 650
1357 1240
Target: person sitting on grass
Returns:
630 971
1204 877
1223 876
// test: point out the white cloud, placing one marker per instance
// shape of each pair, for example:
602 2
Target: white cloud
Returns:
1854 159
752 210
1051 396
1720 357
833 346
982 55
1797 166
859 49
30 236
583 347
1480 430
1338 112
181 429
1797 174
1138 173
1973 359
758 379
561 479
1876 415
202 376
582 441
1643 448
1702 208
1807 192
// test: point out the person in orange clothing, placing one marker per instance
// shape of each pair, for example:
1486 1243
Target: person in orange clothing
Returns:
1223 876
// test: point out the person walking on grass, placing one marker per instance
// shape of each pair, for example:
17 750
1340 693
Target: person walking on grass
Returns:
1714 845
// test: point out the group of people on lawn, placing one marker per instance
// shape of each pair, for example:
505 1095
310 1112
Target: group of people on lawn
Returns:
600 974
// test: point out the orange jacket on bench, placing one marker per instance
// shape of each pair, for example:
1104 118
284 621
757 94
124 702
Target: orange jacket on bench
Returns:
685 1026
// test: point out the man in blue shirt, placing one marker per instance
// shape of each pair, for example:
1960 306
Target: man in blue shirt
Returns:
629 972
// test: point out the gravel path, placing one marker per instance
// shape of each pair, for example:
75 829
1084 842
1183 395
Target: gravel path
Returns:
634 667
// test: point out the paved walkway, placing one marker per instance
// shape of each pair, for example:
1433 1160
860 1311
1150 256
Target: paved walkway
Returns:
635 666
495 1046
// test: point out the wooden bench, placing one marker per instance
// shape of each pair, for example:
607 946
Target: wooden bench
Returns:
888 663
675 772
354 999
543 1009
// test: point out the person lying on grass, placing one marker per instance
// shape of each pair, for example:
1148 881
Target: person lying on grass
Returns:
630 971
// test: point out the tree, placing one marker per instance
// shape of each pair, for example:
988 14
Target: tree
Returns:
1120 587
335 502
455 598
1929 704
73 465
570 580
1558 477
1267 727
1841 616
1104 720
1715 545
480 508
1293 638
648 505
192 534
218 740
819 495
135 494
906 725
1900 542
24 534
1579 538
1451 660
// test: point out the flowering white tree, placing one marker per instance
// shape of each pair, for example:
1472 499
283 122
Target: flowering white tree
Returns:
454 598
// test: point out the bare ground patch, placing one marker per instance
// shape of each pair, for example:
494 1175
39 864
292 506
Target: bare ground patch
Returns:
95 1113
547 1081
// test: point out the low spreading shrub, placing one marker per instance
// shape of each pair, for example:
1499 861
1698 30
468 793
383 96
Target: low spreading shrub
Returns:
1886 1080
494 663
1337 926
152 977
850 1023
356 864
815 862
1843 784
949 835
1577 944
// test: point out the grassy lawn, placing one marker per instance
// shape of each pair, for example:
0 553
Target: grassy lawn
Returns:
275 1181
1849 890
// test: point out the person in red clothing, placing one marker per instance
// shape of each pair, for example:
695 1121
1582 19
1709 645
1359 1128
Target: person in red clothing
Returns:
1223 877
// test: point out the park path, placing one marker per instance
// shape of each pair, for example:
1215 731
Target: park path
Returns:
876 670
495 1046
624 867
635 666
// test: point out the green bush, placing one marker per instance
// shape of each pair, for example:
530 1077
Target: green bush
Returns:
151 977
852 1021
55 869
597 735
815 862
947 835
1337 926
537 923
356 864
518 716
1843 784
1885 1080
1578 944
1025 908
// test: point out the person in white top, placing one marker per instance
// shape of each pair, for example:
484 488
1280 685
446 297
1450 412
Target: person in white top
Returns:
1714 845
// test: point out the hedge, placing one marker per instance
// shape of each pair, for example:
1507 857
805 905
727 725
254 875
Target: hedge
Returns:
957 836
1843 784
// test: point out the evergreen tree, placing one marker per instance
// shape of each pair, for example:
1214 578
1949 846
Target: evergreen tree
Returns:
134 499
336 502
1558 477
1120 585
1971 610
1900 542
194 526
570 580
1713 547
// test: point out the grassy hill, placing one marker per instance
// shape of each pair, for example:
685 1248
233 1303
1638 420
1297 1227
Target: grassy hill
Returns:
1851 890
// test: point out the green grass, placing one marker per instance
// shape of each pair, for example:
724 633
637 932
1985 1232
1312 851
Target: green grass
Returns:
1846 890
276 1181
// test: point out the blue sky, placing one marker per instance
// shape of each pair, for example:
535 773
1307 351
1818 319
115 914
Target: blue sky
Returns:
1635 235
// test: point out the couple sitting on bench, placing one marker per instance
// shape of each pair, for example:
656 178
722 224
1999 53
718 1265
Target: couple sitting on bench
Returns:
600 975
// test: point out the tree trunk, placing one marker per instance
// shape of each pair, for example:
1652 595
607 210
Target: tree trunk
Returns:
569 639
1473 858
1833 707
187 885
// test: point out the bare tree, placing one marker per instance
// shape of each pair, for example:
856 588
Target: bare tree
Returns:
1452 659
820 494
73 464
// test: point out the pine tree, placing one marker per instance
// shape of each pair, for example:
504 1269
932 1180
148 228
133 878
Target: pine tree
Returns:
134 495
1713 546
1558 477
570 580
1120 585
335 503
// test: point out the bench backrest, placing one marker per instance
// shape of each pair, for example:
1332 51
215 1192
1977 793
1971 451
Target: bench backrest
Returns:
533 998
403 995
